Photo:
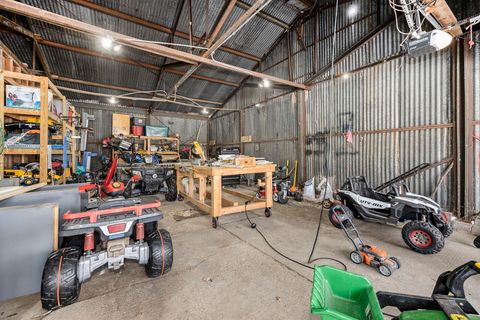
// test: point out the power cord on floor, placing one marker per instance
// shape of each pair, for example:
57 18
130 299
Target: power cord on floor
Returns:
254 226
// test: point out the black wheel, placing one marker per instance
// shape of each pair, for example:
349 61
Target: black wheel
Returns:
385 270
160 258
336 210
423 237
275 196
327 204
60 285
150 227
447 229
283 197
396 261
268 212
171 194
298 196
28 181
215 222
476 242
356 257
180 197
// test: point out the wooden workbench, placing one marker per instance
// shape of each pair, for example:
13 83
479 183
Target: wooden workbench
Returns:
198 194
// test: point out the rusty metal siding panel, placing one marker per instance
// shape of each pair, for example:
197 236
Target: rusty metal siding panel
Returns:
225 129
397 94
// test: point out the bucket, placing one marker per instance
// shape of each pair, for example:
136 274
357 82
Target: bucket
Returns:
137 130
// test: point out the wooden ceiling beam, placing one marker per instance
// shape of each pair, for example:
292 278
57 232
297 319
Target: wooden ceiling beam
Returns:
441 11
69 23
152 25
131 62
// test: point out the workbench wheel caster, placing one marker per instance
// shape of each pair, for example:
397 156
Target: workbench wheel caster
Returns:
268 212
179 198
215 222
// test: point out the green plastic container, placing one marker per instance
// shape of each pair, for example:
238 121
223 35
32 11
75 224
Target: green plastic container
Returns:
341 295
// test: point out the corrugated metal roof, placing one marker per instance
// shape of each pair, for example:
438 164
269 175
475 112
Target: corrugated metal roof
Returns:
255 38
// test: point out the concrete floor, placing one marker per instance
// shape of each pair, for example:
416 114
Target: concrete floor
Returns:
231 273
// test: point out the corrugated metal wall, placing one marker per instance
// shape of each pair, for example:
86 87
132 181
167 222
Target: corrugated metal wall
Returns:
400 110
102 127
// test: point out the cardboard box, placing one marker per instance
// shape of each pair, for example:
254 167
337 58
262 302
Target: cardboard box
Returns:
244 161
120 124
25 97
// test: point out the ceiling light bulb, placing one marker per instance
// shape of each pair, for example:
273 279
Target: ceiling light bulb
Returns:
205 111
257 105
260 85
352 11
266 83
346 76
117 48
113 100
107 42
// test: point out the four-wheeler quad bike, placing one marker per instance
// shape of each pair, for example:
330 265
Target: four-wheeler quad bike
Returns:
426 227
370 255
109 230
339 294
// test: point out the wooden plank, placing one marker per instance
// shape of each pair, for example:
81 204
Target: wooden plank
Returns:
21 151
216 208
239 194
202 188
225 202
20 111
204 207
22 76
444 15
55 226
19 190
268 189
43 129
241 208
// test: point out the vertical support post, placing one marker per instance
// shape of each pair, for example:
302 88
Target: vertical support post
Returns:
315 44
216 208
2 117
43 129
241 124
456 135
202 186
469 156
74 147
65 139
289 54
268 190
301 102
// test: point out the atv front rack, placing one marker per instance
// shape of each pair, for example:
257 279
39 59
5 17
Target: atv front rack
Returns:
93 215
86 222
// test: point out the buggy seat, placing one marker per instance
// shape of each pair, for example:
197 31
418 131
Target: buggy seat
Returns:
360 186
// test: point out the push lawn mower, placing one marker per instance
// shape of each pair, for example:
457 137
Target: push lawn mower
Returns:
363 253
338 294
426 227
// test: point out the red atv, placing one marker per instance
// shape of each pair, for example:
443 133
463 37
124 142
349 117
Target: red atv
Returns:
110 230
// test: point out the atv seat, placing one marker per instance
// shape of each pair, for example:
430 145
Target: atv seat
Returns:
359 185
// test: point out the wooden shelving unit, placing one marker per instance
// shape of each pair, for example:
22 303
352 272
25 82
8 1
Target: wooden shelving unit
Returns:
11 72
165 155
